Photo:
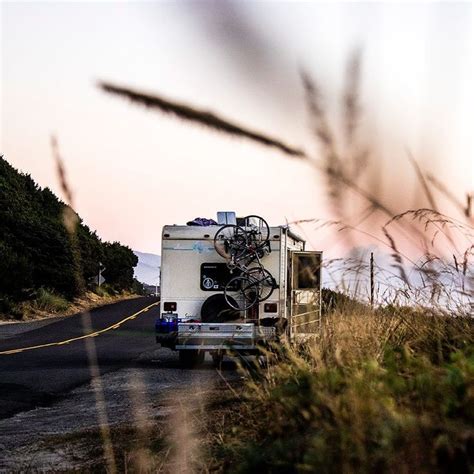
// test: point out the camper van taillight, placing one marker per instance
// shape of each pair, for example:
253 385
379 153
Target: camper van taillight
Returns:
170 307
270 308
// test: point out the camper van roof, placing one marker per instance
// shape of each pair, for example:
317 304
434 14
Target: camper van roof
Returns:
208 232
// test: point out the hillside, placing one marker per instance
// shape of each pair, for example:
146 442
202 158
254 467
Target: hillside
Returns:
38 253
148 268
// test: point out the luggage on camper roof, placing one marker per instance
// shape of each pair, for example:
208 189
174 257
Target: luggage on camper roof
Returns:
202 221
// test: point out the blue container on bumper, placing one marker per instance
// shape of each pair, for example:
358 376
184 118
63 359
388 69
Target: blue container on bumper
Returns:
166 329
165 326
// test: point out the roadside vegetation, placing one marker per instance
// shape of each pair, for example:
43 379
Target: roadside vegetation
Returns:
375 391
45 303
44 263
49 301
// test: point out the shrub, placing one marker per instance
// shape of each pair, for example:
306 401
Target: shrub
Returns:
105 290
49 301
9 308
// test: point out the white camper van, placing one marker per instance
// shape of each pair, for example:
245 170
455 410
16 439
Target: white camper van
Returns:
234 286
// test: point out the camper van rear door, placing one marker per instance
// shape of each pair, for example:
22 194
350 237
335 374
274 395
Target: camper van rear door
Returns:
305 279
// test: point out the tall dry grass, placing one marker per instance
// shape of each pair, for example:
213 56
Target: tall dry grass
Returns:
389 391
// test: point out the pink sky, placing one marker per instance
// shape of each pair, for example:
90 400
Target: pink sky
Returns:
133 171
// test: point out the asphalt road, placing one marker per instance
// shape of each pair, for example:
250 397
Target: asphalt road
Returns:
38 377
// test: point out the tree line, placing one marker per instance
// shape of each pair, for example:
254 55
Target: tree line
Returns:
37 251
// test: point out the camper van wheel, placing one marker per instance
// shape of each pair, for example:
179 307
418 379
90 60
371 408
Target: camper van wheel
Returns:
217 358
190 358
216 310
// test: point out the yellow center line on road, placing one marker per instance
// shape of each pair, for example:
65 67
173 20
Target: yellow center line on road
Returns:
93 334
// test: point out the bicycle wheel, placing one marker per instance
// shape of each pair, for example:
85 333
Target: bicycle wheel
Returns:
265 280
258 228
230 241
244 293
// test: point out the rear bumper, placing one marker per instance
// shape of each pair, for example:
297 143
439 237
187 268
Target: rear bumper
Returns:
217 336
221 336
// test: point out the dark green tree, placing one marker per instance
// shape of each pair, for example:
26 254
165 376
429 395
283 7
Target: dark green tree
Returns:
37 251
119 262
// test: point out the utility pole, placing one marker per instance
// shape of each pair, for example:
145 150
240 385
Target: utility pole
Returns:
372 279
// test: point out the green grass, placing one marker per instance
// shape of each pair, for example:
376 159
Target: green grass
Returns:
360 398
105 290
49 301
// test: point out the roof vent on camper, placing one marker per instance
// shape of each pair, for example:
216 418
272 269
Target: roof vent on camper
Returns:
224 217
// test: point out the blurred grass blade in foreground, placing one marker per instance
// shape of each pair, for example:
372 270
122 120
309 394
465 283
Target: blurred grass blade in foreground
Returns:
204 117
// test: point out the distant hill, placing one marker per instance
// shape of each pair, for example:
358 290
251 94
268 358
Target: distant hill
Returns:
147 270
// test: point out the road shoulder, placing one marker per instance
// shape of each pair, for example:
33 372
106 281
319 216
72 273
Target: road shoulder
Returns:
10 328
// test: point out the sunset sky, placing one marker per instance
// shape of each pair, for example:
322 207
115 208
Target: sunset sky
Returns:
133 170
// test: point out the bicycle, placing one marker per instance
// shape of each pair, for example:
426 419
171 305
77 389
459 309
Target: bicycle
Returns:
240 244
254 285
257 228
231 241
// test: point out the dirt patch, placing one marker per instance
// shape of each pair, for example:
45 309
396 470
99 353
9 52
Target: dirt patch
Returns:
152 417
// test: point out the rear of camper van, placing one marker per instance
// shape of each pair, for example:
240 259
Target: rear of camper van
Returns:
195 315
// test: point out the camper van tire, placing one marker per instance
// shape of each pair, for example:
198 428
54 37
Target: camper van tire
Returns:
190 358
217 358
217 310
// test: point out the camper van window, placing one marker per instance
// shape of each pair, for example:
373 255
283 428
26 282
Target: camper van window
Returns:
308 272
